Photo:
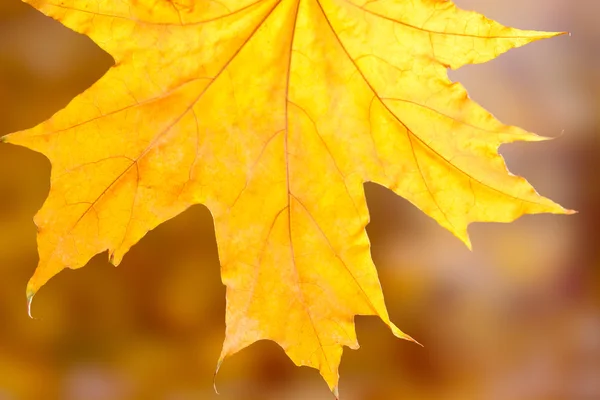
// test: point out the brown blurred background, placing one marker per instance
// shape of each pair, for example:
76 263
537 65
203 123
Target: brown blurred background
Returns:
517 318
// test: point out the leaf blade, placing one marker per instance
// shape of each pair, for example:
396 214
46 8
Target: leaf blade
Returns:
277 143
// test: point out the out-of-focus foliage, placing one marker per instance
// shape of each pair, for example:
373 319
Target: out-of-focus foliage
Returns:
515 319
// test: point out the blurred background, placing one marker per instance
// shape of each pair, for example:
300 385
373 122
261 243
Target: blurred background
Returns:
516 319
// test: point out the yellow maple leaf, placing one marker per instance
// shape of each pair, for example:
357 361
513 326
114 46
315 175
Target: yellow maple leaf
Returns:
273 113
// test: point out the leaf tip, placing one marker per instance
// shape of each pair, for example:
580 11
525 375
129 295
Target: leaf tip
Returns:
30 294
558 209
538 138
411 339
463 236
401 335
215 375
561 33
113 259
336 392
467 242
548 35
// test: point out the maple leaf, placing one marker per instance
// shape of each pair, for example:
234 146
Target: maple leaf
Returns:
273 113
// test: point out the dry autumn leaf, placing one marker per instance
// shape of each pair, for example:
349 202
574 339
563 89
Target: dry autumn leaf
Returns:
273 113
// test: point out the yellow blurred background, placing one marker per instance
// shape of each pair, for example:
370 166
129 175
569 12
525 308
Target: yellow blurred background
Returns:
516 319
